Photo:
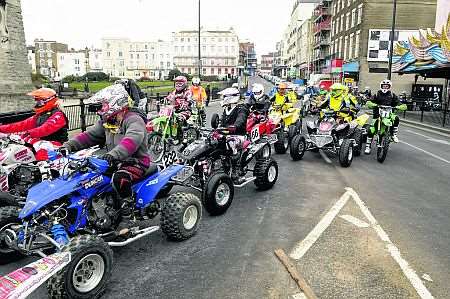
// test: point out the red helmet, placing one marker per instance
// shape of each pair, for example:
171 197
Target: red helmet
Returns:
180 83
45 99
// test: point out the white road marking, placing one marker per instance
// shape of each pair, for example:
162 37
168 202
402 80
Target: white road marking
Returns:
429 138
355 221
426 152
299 296
412 276
301 248
427 277
325 157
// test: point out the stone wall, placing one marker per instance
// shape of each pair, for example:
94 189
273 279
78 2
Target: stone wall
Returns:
15 71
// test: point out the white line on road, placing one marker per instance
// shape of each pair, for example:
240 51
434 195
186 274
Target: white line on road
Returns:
426 152
429 138
412 276
355 221
324 156
299 296
301 248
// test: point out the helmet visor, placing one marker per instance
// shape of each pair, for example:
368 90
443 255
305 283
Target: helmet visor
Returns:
385 86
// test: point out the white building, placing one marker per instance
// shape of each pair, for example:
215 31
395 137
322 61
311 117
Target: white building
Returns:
71 63
32 59
125 58
95 60
219 52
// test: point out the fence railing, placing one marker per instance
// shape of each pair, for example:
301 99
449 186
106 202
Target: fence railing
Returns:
429 112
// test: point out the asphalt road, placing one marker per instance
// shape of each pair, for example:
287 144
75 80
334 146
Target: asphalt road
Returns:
232 255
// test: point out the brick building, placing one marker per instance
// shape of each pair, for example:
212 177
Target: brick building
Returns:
46 56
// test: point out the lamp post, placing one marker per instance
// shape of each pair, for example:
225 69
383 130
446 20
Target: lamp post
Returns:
199 44
391 39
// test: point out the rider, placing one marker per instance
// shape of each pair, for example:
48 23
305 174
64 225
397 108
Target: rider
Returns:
281 97
125 136
181 99
337 100
234 114
354 104
48 123
258 100
199 95
384 97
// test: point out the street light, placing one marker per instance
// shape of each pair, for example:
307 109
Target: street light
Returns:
391 38
199 51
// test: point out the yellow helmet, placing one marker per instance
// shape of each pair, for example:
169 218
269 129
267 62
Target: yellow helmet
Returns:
337 89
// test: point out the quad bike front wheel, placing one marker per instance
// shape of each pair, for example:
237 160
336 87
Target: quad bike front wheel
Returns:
294 129
346 153
180 216
297 147
282 144
9 216
89 271
215 120
218 193
190 134
156 146
357 135
266 173
383 149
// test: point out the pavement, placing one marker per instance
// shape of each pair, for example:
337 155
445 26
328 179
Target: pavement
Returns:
368 231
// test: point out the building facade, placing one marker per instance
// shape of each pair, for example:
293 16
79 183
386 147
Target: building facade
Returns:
32 58
95 57
360 37
305 49
321 42
73 63
247 57
219 52
267 63
46 56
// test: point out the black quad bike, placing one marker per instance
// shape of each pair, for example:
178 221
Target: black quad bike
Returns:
331 134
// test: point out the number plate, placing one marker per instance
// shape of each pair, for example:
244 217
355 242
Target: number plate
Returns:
254 134
169 158
385 113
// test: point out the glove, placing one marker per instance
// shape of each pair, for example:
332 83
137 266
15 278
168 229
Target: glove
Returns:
64 151
109 158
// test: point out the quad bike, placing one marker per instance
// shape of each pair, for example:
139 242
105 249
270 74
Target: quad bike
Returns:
288 118
260 128
220 162
167 129
383 130
331 133
79 213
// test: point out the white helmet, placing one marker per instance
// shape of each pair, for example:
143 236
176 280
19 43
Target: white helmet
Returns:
258 91
230 96
196 81
235 85
114 99
385 86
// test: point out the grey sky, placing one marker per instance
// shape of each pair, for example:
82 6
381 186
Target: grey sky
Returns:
83 23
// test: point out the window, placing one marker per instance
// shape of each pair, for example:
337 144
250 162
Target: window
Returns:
345 47
341 45
347 21
77 61
49 47
189 40
146 56
204 48
350 46
182 40
360 10
226 49
219 71
213 48
232 49
161 56
41 54
176 49
121 63
349 2
226 70
204 40
145 47
357 44
108 54
353 16
213 39
189 49
212 71
182 69
120 54
168 64
61 57
341 26
204 71
182 49
131 56
137 56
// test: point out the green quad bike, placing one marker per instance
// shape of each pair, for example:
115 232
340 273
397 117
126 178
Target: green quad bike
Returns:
383 129
166 130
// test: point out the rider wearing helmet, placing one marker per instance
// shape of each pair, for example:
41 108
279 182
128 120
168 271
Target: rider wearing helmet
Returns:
234 114
181 98
199 95
134 91
337 100
48 123
124 134
384 97
354 105
258 100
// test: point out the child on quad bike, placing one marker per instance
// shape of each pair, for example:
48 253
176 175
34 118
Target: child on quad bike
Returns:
337 101
181 99
125 136
199 95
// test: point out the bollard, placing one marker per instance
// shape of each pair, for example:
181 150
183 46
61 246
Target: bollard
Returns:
158 102
421 113
82 116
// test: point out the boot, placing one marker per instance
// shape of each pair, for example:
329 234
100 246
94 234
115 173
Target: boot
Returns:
126 214
368 146
395 134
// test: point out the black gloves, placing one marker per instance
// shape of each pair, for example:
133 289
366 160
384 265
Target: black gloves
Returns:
110 159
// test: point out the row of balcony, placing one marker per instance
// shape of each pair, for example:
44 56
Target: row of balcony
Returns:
322 26
322 11
320 42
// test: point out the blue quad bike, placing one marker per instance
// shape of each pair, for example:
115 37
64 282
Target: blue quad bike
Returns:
79 213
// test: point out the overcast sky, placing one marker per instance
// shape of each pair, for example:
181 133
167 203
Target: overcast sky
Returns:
83 23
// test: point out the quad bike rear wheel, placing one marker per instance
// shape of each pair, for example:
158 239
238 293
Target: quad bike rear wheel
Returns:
297 147
266 173
180 216
346 153
164 191
218 193
265 152
9 216
87 274
215 120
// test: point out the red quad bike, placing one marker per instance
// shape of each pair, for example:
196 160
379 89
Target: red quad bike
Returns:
260 128
219 162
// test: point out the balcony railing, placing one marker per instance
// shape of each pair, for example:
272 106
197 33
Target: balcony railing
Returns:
322 42
322 11
324 25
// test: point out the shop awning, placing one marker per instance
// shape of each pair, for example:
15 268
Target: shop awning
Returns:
351 67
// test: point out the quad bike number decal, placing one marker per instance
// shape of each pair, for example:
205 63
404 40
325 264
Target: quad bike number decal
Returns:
254 134
385 113
169 158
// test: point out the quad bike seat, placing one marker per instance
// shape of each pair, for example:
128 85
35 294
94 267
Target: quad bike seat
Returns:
151 170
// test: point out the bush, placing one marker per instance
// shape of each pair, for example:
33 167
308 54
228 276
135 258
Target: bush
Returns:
113 79
144 79
209 78
95 76
70 79
174 73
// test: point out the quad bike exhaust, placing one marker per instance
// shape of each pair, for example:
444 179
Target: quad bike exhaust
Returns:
247 180
140 234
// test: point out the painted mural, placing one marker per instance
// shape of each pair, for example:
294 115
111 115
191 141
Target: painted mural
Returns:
430 51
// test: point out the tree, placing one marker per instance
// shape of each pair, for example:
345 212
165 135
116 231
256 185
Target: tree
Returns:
95 76
174 73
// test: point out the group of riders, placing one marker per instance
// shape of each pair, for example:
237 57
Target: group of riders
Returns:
122 126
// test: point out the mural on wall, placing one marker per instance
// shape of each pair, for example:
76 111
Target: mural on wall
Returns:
4 33
431 50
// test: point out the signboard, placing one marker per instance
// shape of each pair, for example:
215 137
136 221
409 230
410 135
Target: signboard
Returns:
349 80
336 66
379 43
